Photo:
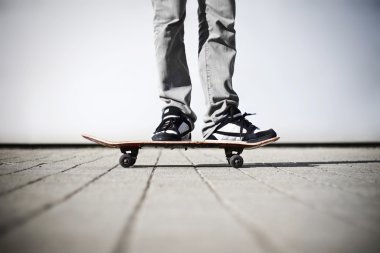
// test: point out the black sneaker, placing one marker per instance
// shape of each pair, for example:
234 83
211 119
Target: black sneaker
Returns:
235 127
175 126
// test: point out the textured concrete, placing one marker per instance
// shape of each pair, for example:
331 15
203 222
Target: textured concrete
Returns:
282 200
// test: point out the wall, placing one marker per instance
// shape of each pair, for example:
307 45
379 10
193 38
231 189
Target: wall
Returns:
309 69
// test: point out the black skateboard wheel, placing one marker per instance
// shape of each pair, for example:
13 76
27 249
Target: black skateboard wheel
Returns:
126 160
236 161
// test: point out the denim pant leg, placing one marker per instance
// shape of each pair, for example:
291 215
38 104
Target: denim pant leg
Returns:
173 72
217 50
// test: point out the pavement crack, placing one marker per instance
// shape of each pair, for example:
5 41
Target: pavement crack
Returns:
123 242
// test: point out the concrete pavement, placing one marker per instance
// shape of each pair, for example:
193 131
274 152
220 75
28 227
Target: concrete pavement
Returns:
283 200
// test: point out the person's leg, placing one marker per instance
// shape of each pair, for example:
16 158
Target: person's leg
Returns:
174 79
217 52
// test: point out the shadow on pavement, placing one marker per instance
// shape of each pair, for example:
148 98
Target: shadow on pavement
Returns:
263 165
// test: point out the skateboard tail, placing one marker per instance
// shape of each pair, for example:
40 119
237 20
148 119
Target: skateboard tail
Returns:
102 142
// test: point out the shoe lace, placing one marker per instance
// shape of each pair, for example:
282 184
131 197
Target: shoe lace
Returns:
166 124
244 123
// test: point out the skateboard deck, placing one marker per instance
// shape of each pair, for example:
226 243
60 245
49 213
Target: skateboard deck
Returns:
130 149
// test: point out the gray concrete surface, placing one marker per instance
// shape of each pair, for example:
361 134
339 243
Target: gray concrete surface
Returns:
282 200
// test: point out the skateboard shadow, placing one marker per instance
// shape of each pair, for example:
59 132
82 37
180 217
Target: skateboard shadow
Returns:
260 165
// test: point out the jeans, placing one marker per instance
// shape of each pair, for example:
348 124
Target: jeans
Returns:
216 54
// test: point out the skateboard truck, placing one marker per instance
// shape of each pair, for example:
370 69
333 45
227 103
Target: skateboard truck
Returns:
233 157
129 156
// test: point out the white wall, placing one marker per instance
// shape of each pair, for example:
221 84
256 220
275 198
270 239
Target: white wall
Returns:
309 69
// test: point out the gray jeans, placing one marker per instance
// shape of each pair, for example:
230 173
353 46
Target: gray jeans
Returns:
217 50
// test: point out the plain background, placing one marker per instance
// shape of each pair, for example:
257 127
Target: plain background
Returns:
309 69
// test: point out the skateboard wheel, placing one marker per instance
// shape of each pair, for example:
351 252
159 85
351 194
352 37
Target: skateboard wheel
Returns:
126 160
236 161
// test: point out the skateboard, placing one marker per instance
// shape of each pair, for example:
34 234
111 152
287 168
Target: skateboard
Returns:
130 149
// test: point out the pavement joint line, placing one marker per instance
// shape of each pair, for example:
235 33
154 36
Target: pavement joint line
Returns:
17 171
5 229
39 165
31 160
243 220
123 242
37 159
44 177
8 158
317 181
345 175
312 206
327 184
24 161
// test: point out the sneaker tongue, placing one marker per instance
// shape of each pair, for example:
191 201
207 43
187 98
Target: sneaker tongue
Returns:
234 112
236 115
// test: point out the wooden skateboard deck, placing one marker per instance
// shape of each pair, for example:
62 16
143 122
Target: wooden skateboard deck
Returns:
130 149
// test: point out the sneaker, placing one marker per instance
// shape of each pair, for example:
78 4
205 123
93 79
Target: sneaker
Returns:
175 126
235 127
